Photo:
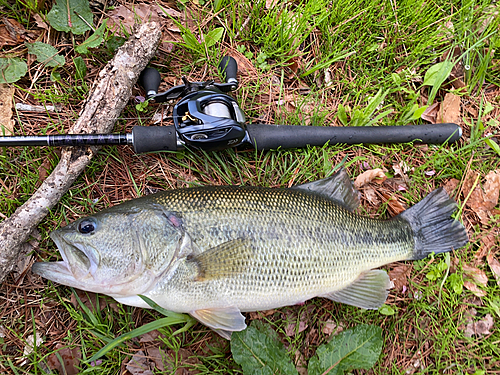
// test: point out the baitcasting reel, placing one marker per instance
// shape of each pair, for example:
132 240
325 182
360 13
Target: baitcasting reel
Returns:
205 118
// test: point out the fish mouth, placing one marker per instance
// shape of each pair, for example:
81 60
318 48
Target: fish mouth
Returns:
73 270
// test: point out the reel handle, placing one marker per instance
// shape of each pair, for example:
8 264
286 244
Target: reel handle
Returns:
150 80
229 69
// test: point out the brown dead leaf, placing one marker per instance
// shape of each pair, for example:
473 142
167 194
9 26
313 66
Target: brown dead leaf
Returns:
371 196
70 360
6 121
373 175
40 22
482 200
126 16
469 285
487 243
476 274
158 357
491 189
149 336
399 276
430 114
494 266
255 315
450 109
479 328
330 327
394 205
271 3
451 186
292 329
140 364
401 169
12 32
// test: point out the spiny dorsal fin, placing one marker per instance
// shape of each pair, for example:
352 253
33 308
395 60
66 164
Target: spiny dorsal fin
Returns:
338 188
225 260
368 291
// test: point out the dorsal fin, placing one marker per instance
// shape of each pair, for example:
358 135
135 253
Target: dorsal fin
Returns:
338 188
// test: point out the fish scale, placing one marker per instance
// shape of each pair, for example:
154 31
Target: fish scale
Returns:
216 251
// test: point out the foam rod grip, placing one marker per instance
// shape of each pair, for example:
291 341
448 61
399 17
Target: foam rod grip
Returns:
154 138
265 137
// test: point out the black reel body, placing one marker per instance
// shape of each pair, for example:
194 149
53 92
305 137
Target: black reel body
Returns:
210 120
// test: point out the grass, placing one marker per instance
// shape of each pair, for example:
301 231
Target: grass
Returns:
316 62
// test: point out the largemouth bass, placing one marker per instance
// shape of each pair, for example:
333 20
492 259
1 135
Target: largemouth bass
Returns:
214 252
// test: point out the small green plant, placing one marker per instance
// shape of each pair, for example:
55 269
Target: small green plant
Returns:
258 351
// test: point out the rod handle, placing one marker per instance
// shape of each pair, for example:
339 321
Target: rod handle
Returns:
265 137
154 138
150 80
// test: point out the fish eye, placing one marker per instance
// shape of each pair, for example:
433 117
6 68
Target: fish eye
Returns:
86 226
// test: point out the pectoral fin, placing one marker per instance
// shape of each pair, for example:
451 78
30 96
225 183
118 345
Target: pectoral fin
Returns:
223 321
368 291
226 260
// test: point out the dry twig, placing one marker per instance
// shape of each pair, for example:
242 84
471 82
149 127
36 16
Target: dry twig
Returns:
110 94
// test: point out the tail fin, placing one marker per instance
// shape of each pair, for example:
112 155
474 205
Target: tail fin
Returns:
434 229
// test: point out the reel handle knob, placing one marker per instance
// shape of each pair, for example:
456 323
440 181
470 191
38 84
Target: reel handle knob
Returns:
150 80
229 68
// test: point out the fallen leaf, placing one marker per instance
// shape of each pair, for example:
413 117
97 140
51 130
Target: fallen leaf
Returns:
494 266
149 336
482 200
371 196
139 364
479 328
401 169
394 205
40 22
476 274
374 175
487 243
30 343
330 327
430 114
271 3
469 285
255 315
450 109
300 363
451 186
399 276
491 189
158 357
126 16
6 121
292 330
69 360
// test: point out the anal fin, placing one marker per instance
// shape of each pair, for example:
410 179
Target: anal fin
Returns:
222 320
368 291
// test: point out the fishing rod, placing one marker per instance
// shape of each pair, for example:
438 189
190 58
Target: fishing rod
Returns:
207 118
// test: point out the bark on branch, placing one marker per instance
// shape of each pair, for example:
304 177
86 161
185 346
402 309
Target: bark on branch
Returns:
109 96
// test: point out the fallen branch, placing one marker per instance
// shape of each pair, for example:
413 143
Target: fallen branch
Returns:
110 94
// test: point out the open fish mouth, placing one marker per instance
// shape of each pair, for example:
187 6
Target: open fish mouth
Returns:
72 270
